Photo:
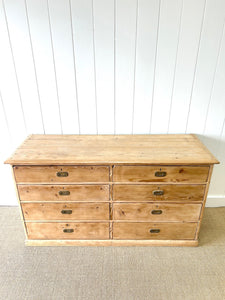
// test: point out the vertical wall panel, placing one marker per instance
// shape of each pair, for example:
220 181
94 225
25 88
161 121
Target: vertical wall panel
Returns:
44 63
8 196
60 23
214 138
82 19
170 15
216 107
208 53
126 19
4 133
147 30
9 84
112 66
19 35
217 187
186 62
103 12
221 182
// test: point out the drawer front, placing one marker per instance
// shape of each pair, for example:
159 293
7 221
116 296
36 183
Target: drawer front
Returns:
156 212
61 174
162 192
182 174
152 231
63 192
68 211
68 231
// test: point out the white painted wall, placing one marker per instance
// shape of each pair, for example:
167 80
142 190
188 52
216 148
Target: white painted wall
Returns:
112 66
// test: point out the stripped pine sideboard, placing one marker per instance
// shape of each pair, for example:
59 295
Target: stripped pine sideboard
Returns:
112 189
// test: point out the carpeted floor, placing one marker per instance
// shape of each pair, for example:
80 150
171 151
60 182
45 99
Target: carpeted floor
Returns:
105 273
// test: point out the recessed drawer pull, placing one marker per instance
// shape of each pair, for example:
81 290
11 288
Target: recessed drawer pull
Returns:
64 193
156 212
158 192
160 174
68 230
66 211
62 174
154 230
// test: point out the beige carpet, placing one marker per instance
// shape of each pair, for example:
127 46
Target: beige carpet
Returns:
112 272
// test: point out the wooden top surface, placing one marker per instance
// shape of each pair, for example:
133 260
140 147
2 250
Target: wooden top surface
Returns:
167 149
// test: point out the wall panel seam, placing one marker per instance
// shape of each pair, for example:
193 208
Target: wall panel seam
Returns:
14 66
5 116
94 63
54 66
34 64
155 60
196 63
135 61
74 66
214 76
114 50
175 66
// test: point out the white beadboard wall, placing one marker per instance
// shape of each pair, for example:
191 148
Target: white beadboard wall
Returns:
112 67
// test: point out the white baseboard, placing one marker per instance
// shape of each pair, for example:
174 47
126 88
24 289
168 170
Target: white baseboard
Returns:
215 201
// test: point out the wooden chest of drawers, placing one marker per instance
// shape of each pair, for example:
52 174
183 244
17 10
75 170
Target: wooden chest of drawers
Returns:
112 190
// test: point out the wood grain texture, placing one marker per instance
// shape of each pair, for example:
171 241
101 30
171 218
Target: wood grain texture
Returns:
18 199
145 212
118 201
48 174
105 243
204 200
141 231
55 231
184 174
53 211
53 192
111 149
174 193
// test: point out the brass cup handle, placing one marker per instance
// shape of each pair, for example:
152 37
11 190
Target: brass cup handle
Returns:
156 212
154 230
64 193
158 192
160 174
62 174
68 230
66 211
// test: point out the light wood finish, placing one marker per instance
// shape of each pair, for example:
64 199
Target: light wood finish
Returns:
59 211
184 174
107 243
144 192
18 199
157 212
204 200
166 149
110 194
141 231
99 231
48 174
77 192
